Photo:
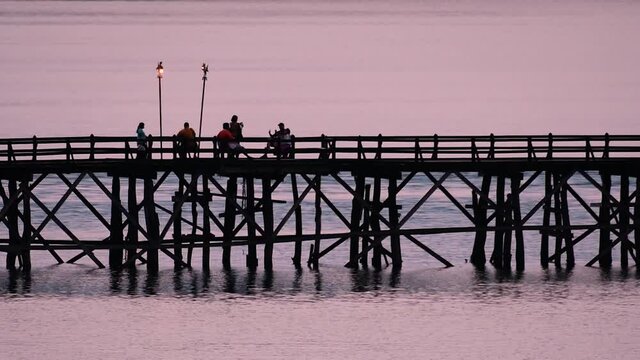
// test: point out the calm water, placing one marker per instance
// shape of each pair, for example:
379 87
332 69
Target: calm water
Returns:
361 67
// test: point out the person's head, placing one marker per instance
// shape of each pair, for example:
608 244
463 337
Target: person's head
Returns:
234 119
281 126
186 125
225 126
141 125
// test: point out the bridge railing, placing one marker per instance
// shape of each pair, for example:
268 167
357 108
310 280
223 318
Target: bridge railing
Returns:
419 148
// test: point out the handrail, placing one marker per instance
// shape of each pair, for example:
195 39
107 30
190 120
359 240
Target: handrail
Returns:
477 148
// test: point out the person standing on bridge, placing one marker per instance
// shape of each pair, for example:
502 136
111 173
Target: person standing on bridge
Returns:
141 139
186 140
236 128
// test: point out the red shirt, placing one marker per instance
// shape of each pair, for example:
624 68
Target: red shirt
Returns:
225 135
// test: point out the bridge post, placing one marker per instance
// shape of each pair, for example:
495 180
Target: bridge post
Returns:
546 220
318 230
26 220
375 207
366 221
205 200
229 220
558 232
604 223
252 254
267 215
498 236
623 213
178 201
517 220
132 230
636 222
508 223
297 254
116 237
12 224
356 215
567 235
153 226
478 257
396 251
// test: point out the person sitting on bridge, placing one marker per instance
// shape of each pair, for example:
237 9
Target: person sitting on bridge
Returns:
281 142
228 143
186 141
141 140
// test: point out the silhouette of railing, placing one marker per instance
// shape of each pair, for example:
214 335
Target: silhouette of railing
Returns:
418 148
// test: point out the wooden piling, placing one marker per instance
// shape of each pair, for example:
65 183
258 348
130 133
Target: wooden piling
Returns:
297 253
194 216
25 254
116 236
12 224
604 222
178 201
153 226
229 220
376 260
478 257
267 214
636 222
366 221
206 224
546 220
252 254
567 235
623 213
356 215
557 213
508 223
396 251
517 221
318 222
132 230
498 238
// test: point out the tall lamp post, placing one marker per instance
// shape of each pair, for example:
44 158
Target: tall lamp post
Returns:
159 74
205 70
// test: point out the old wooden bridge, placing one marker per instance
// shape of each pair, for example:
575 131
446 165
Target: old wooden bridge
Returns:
373 170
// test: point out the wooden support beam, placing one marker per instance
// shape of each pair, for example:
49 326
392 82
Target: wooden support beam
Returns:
229 220
297 252
318 228
557 213
496 256
546 220
152 224
624 221
566 227
12 217
517 222
206 228
116 236
507 234
132 229
178 201
481 202
252 253
356 215
374 219
636 223
267 215
604 247
396 250
25 254
366 225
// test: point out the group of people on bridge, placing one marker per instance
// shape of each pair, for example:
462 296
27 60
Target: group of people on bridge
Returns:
228 140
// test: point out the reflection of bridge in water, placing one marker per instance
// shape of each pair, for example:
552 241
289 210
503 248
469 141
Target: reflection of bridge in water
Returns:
379 170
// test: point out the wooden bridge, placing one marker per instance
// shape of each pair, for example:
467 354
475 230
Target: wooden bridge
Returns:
373 170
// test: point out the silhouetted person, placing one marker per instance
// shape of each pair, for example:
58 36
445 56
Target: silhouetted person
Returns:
187 140
236 128
227 142
281 141
141 138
